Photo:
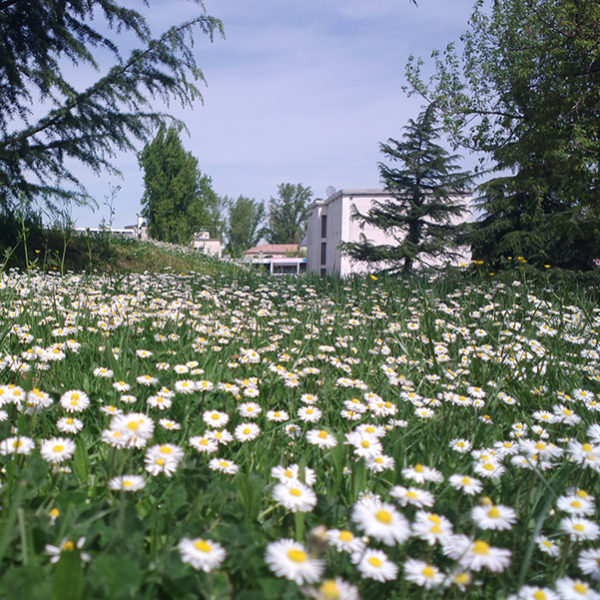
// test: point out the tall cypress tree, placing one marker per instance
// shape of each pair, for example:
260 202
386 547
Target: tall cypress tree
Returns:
427 190
178 199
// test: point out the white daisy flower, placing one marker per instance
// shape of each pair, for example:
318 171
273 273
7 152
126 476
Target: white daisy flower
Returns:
202 554
246 432
295 496
529 592
57 450
215 418
493 516
345 541
203 444
69 425
223 465
413 496
381 521
374 564
422 473
321 438
127 483
579 529
290 559
422 573
466 484
575 589
74 401
589 562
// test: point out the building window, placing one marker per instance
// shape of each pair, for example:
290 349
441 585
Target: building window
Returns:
323 226
323 271
323 253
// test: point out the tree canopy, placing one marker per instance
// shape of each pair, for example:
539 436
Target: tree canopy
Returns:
287 214
245 224
424 214
39 41
526 93
178 199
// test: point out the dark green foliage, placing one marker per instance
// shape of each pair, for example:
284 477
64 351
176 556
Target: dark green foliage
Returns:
526 92
245 224
178 199
542 227
427 194
39 40
287 214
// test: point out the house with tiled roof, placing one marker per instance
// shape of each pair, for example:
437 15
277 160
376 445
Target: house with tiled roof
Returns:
278 259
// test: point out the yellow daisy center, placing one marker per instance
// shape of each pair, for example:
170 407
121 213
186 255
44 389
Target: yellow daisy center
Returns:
539 595
202 546
323 434
58 448
68 545
375 562
462 578
329 590
298 556
346 536
419 468
383 516
481 547
494 513
580 588
428 572
295 492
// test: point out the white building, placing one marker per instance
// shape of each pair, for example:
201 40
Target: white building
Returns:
330 222
207 245
278 259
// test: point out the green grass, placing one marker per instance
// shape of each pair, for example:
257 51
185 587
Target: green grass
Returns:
408 351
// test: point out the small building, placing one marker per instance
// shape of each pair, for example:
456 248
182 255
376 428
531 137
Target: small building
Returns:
278 259
207 245
330 222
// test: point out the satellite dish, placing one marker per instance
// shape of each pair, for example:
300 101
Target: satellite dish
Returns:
330 191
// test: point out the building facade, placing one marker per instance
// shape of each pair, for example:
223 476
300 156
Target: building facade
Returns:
210 246
330 222
278 259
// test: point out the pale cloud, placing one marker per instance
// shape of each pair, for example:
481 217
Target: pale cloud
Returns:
298 92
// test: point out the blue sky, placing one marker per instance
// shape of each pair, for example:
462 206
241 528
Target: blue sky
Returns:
299 91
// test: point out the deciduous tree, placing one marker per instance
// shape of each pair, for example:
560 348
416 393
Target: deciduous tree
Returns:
245 224
178 199
526 93
287 214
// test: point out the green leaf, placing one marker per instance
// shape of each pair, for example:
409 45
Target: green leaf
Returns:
81 464
116 575
68 581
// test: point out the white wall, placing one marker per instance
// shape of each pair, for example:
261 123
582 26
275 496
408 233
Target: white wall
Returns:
339 208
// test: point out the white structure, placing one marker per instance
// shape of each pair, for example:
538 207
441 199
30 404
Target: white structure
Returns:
207 245
330 222
278 259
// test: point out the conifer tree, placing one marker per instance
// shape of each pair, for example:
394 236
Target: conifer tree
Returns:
178 199
39 41
427 189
